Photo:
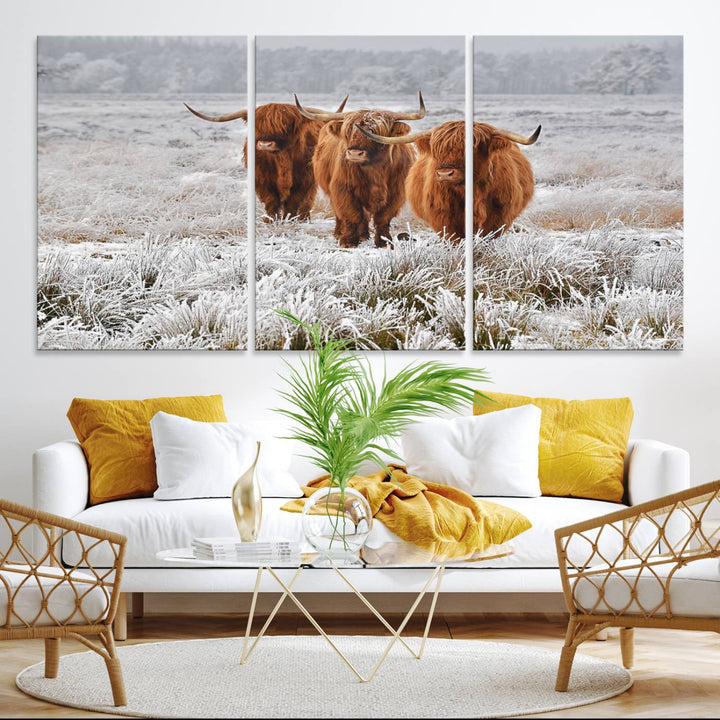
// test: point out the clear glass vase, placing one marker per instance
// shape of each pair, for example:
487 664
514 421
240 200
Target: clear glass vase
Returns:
247 502
337 522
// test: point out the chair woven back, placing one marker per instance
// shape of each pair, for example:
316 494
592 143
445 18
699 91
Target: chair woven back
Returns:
39 590
645 544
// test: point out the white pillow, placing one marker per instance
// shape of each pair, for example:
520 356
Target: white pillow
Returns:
492 454
204 459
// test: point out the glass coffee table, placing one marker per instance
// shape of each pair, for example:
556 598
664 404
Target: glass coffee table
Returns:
388 555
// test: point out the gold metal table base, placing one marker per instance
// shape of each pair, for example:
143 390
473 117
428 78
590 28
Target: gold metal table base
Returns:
436 574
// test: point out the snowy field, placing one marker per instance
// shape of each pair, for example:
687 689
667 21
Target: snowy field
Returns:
142 235
142 225
596 260
407 297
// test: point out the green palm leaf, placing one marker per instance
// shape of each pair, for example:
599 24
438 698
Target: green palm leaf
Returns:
344 416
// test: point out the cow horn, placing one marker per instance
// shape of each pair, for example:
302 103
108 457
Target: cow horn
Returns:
412 116
219 118
399 140
313 114
341 107
518 138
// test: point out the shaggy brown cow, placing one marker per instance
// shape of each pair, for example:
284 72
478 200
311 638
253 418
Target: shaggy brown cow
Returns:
284 146
363 180
502 177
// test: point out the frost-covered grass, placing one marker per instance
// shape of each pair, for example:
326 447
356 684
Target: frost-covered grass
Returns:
410 296
142 226
142 236
155 293
608 288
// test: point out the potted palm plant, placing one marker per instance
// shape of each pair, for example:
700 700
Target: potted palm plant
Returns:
345 418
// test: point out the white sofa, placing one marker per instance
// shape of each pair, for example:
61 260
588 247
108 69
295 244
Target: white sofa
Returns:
61 477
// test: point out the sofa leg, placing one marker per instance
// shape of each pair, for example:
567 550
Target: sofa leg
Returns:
138 605
52 657
120 624
627 646
602 635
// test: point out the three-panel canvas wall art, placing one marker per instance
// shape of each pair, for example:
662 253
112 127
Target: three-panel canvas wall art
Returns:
150 236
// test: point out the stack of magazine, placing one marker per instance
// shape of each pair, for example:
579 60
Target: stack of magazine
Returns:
277 552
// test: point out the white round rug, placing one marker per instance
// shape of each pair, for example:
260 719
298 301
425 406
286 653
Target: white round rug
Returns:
301 676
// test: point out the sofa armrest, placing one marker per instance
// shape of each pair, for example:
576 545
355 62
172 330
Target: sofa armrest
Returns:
61 479
654 469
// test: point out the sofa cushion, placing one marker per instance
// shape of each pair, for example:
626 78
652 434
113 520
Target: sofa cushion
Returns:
61 607
115 436
694 590
493 454
535 548
582 443
152 525
205 459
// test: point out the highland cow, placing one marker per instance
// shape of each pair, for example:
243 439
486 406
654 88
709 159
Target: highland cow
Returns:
503 181
284 146
363 181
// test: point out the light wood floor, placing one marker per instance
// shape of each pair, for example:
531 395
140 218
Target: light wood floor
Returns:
677 673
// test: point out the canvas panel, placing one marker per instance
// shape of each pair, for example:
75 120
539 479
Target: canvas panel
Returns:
142 207
594 259
349 250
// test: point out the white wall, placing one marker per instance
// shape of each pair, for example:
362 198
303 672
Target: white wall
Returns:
676 394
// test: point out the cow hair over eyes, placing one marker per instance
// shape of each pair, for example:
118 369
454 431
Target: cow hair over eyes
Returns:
503 181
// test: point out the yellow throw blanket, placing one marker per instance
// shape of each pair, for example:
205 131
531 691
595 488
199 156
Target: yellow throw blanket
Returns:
427 514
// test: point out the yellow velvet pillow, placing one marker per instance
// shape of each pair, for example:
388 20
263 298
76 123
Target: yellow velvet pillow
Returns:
582 443
116 438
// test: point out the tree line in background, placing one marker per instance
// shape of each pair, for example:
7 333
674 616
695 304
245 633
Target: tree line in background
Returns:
630 69
171 65
163 65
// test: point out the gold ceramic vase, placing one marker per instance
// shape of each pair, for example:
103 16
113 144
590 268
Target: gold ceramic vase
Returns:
247 502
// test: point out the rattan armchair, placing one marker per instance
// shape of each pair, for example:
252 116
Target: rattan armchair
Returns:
652 565
40 598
